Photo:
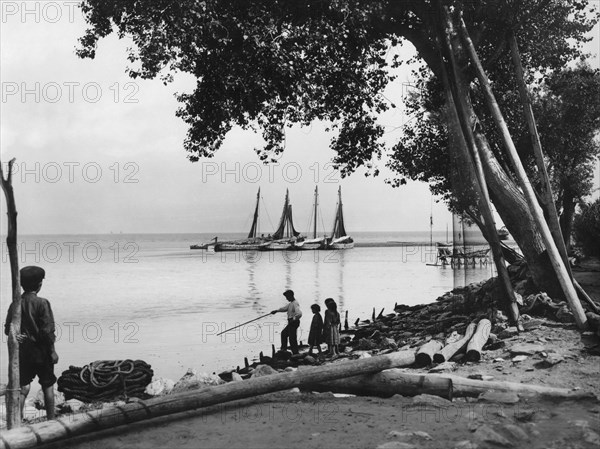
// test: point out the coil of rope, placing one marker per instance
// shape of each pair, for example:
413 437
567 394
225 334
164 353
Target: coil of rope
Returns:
104 380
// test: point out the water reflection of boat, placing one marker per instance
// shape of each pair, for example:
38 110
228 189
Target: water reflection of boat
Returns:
339 239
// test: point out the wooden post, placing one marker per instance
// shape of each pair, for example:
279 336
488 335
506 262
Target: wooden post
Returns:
546 187
455 91
480 337
536 212
449 350
13 390
78 424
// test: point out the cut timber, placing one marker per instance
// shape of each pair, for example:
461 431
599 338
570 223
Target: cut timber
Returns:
449 350
78 424
479 338
396 381
386 384
425 353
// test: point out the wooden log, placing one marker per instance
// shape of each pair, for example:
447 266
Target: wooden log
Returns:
386 384
13 393
396 381
453 348
594 320
2 389
481 335
534 207
78 424
425 353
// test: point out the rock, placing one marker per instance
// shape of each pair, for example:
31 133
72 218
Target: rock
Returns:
498 397
263 370
396 445
526 349
480 376
310 360
508 332
290 369
235 377
526 415
192 380
388 343
465 444
519 358
500 317
159 387
364 355
407 435
589 436
487 434
516 433
496 345
429 400
443 367
551 360
72 406
564 315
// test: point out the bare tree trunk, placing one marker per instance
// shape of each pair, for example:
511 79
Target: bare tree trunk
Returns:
566 220
13 390
559 267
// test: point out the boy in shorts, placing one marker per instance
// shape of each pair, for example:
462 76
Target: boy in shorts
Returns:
36 338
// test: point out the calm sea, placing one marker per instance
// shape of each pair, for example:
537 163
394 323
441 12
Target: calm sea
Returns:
148 296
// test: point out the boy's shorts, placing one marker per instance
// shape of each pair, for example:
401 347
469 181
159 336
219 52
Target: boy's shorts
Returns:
44 372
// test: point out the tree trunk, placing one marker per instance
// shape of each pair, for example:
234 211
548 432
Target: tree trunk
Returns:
13 390
566 218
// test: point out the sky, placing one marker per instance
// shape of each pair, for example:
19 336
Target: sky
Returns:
98 152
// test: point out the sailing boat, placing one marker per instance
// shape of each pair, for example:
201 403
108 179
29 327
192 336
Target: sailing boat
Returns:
251 243
285 236
339 239
314 243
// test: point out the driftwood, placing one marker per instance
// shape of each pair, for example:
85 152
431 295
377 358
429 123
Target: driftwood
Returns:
78 424
425 353
396 381
453 348
386 384
481 335
13 390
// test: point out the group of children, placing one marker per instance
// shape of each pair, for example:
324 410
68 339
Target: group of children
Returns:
325 330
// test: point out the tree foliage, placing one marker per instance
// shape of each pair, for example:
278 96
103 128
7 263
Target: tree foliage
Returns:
268 64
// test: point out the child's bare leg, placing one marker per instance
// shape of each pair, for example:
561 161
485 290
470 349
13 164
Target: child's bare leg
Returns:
49 401
24 393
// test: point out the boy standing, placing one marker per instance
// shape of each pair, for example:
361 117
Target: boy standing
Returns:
293 315
36 338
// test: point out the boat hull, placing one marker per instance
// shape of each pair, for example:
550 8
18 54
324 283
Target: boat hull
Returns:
345 242
311 244
278 246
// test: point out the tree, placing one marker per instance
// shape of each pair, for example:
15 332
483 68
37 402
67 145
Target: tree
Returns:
268 64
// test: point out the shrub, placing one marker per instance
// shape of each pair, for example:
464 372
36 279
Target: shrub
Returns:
586 227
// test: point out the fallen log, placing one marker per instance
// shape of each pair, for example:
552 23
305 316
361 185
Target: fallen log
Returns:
78 424
386 384
453 348
481 335
396 381
425 353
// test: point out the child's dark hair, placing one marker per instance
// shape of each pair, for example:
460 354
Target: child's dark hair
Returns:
315 308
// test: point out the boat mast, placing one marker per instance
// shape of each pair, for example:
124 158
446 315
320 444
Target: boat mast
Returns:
253 229
315 225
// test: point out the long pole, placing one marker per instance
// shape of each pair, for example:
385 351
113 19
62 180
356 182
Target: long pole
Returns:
13 390
243 324
536 211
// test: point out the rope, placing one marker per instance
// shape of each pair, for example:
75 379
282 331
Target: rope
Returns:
98 381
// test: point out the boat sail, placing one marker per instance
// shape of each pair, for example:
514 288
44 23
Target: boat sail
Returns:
339 238
314 243
251 243
286 235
